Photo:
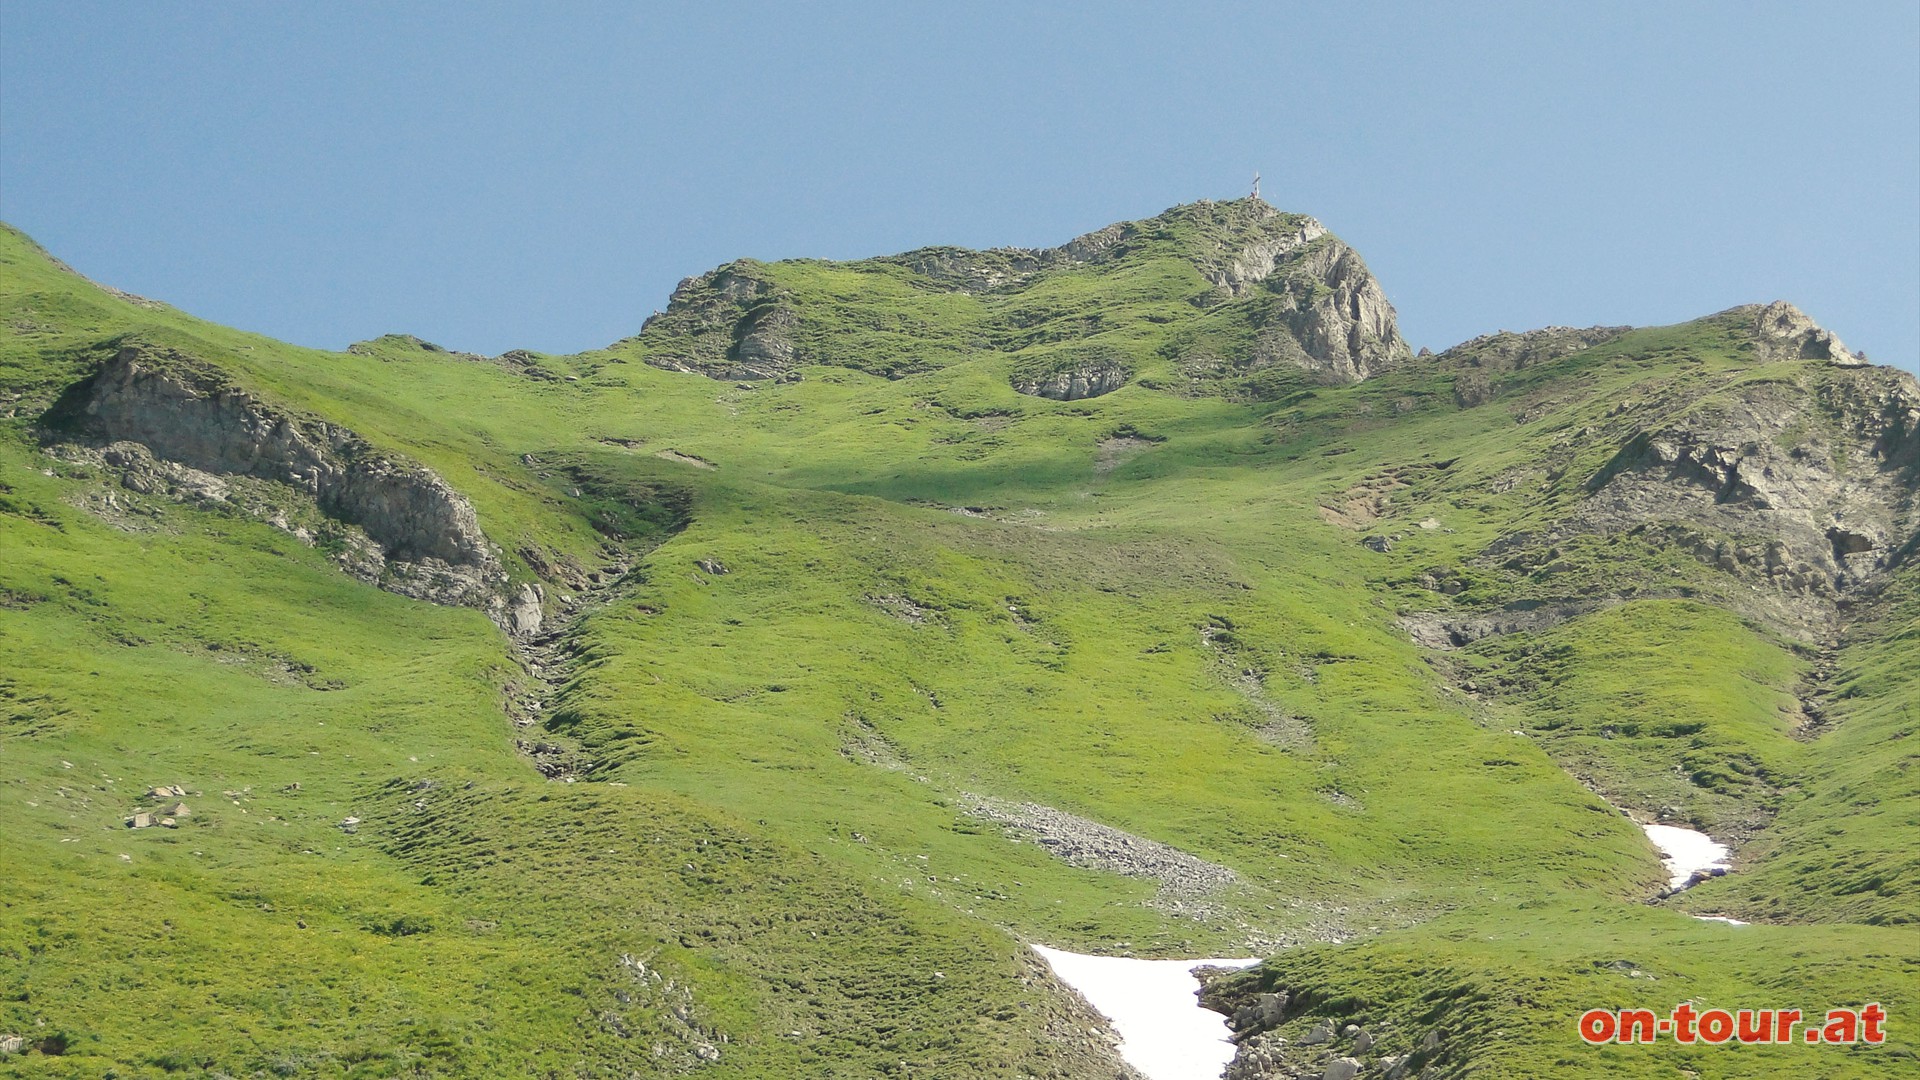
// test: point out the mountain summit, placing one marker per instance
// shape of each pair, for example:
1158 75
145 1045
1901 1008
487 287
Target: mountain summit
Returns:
1261 288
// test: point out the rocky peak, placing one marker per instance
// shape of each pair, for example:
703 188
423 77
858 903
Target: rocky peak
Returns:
1320 307
1236 245
731 322
1312 296
1784 332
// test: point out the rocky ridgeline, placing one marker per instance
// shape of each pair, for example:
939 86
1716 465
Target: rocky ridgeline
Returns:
1806 489
1800 489
168 425
1325 312
1478 360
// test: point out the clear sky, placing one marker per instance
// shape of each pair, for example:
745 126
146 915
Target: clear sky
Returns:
492 176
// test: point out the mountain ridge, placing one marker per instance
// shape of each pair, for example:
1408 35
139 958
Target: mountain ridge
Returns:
701 796
1326 312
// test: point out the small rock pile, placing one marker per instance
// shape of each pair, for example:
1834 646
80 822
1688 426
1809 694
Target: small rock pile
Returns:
167 813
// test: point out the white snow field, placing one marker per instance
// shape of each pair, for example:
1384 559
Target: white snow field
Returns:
1685 851
1163 1030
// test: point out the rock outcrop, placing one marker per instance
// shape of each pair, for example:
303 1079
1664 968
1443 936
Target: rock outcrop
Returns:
1784 332
1505 350
171 425
1477 361
1319 306
729 323
1808 488
1076 374
1437 631
1281 1035
1338 313
1800 492
1075 384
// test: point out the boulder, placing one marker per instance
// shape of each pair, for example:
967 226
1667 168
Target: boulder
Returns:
525 612
1321 1032
1342 1068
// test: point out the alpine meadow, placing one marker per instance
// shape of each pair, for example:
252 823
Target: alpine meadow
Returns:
745 698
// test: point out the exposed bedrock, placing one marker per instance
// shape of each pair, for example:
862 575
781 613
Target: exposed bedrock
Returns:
1312 297
430 545
1812 492
1799 487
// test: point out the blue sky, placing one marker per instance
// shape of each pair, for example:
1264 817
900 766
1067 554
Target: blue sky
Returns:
492 176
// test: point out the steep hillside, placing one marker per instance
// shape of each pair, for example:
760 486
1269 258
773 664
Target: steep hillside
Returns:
738 699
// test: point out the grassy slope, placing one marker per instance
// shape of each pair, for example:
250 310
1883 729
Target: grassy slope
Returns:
744 843
1844 852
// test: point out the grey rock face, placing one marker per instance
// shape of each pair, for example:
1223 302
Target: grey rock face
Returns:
766 340
1339 314
1086 381
199 428
1810 490
1785 332
729 323
524 611
1319 306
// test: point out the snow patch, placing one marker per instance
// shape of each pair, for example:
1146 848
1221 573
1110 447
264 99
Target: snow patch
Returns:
1686 852
1154 1008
